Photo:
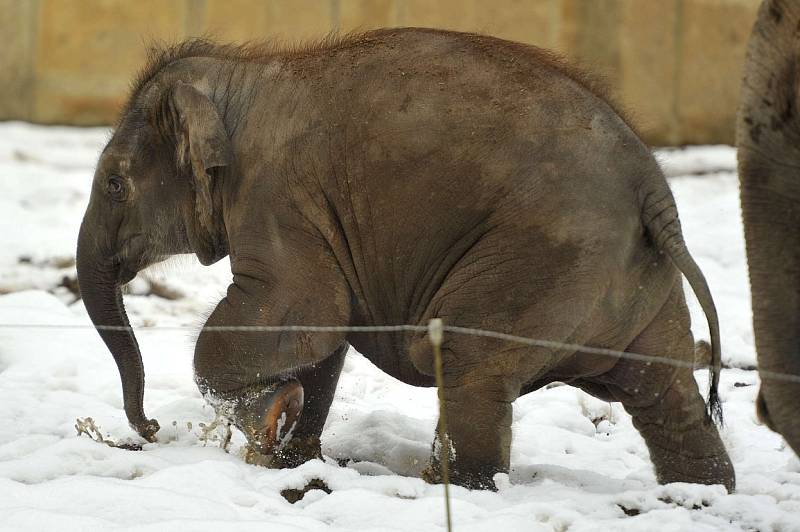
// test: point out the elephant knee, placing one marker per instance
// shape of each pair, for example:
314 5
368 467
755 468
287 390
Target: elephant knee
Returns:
219 384
216 372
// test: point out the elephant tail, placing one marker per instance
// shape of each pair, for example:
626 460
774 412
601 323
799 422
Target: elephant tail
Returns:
660 218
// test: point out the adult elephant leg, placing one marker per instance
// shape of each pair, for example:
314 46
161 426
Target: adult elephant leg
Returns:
319 385
478 413
666 405
773 255
768 142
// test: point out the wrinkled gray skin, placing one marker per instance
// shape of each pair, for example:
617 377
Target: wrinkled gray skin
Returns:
768 138
390 178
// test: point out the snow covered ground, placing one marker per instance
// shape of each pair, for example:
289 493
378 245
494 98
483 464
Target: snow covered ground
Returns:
577 462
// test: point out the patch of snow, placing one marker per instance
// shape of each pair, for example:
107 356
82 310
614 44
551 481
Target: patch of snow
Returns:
577 462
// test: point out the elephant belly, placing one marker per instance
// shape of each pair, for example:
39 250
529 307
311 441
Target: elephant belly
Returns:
389 352
526 281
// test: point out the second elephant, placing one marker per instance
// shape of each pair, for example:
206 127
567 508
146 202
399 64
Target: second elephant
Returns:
768 141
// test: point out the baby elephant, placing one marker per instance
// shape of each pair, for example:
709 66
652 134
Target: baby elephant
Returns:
390 178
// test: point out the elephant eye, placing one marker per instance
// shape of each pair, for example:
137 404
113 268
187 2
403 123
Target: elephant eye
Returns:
116 188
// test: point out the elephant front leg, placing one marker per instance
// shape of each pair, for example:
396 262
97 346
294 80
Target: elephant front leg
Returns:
319 385
268 418
272 385
478 414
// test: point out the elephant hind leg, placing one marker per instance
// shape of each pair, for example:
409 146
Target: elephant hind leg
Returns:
666 405
479 415
684 445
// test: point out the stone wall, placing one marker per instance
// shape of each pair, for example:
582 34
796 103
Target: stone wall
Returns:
673 64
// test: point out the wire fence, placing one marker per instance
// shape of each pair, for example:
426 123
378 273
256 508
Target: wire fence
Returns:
511 338
435 330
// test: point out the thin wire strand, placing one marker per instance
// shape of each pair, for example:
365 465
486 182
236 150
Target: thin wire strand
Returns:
533 342
435 335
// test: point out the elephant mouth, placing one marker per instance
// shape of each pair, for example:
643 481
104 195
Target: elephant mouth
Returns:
128 270
126 275
132 259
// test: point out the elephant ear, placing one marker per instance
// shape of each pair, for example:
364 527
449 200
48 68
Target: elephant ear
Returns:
201 142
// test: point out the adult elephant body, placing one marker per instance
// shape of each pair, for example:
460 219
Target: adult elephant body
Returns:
390 178
768 139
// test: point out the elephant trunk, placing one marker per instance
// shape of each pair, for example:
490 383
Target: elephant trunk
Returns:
99 278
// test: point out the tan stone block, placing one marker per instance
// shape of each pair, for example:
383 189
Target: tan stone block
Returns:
230 20
16 27
520 20
89 102
712 48
648 62
517 20
92 48
570 21
103 36
358 15
462 15
255 20
589 34
300 20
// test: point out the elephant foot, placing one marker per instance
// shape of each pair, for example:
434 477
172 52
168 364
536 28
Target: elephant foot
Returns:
293 453
299 451
716 469
684 445
268 418
477 480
